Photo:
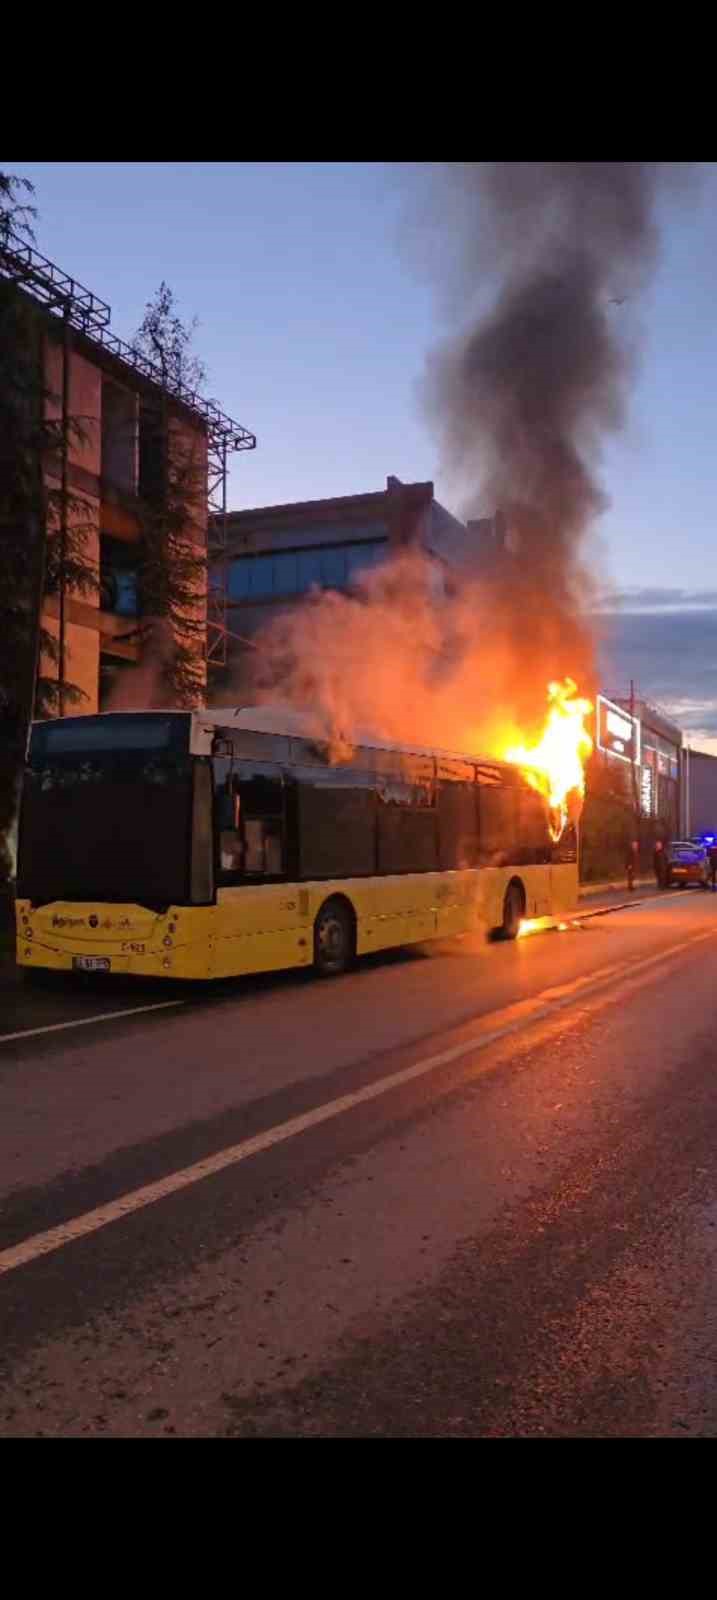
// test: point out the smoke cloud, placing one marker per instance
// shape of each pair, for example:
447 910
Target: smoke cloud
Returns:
544 261
144 687
523 401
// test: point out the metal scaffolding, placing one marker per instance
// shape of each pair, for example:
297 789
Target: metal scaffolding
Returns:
24 265
80 309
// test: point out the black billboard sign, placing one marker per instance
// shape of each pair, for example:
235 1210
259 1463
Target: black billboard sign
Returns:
617 732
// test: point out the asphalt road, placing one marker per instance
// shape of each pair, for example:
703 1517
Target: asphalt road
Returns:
464 1190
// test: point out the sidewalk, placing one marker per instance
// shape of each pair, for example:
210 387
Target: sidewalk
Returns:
596 897
586 890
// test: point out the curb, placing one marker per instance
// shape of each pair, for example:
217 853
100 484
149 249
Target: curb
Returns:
605 911
585 890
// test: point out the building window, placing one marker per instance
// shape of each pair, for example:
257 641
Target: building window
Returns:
119 577
309 570
120 445
286 573
291 572
362 558
150 451
238 585
261 578
333 567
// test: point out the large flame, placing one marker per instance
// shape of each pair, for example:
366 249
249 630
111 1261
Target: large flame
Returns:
555 766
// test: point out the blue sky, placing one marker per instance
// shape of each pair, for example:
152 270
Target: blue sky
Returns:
315 320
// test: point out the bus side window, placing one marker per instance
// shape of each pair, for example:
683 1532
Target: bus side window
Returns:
249 820
535 841
457 825
228 811
260 824
498 807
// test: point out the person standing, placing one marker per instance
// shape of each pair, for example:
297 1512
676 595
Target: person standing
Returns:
631 862
658 862
712 858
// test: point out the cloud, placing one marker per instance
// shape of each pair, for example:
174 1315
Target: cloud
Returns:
671 656
657 599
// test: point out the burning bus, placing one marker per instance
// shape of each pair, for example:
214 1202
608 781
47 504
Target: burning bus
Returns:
210 844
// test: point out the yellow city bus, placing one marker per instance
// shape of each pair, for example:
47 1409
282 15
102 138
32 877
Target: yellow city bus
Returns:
207 844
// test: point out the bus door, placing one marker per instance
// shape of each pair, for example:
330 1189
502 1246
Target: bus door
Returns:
262 920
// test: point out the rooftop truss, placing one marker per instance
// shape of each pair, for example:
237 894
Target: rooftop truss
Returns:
68 299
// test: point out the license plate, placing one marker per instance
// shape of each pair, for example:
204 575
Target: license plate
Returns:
91 963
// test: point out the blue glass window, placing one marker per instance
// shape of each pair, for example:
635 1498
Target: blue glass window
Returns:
286 576
295 572
239 579
118 591
261 577
361 557
333 567
309 568
126 604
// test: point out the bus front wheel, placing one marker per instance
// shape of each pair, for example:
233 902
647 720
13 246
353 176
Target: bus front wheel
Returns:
513 912
334 940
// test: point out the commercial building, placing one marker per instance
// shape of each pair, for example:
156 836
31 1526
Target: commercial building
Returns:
276 554
104 467
638 734
699 789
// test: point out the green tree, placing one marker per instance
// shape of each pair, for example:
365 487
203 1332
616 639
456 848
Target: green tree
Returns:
173 490
36 559
607 823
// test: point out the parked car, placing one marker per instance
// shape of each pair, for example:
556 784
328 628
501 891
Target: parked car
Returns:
686 862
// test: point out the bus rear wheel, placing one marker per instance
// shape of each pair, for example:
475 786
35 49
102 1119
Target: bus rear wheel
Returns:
334 941
513 912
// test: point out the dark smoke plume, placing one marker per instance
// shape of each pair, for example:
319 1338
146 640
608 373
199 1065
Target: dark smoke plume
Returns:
546 261
523 400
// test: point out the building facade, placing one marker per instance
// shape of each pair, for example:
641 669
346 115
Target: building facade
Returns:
277 554
699 790
637 734
107 471
105 398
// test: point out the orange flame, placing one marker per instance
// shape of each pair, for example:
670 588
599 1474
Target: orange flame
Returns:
555 766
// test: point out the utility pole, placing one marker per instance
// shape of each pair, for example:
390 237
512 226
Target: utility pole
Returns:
633 767
636 807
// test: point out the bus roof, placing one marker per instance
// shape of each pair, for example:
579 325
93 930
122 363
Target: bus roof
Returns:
289 723
282 720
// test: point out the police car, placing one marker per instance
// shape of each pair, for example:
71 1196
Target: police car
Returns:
687 861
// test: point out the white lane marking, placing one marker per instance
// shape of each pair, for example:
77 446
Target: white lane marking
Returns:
83 1022
43 1244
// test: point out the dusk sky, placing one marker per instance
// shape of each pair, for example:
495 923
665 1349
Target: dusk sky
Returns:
315 317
